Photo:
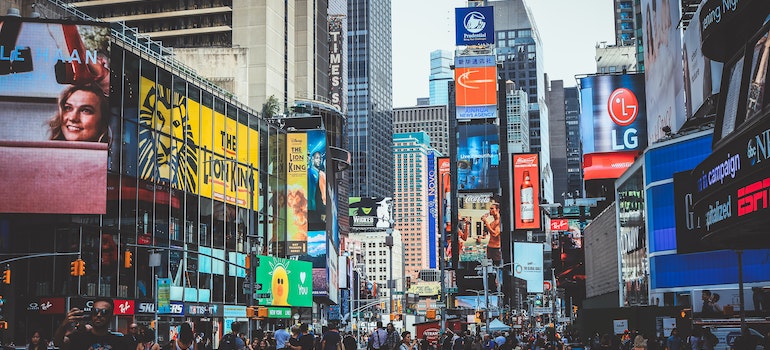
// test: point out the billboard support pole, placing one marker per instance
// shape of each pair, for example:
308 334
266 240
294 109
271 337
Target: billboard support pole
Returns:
744 328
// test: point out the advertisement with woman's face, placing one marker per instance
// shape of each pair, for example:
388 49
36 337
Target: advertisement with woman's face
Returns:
54 84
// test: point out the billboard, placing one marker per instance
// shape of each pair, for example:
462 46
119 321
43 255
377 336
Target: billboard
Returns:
373 212
702 76
614 113
337 62
662 68
607 165
432 211
725 303
317 193
56 117
478 227
476 87
474 25
284 282
191 147
297 192
445 207
528 264
478 157
525 183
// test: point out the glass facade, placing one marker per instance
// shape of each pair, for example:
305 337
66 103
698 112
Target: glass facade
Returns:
192 177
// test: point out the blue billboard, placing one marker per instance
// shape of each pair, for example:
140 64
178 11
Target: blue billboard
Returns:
474 25
478 157
432 211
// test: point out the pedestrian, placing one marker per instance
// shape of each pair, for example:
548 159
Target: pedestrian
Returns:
79 331
147 337
232 340
281 336
349 342
406 340
674 341
306 340
185 339
332 340
378 338
37 342
393 340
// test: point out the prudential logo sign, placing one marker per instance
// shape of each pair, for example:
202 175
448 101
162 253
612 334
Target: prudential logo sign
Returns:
474 25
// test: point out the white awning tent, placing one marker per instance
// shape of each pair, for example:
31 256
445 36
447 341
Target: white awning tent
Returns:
497 325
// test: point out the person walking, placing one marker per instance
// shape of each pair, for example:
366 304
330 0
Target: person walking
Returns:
281 337
232 340
378 338
674 341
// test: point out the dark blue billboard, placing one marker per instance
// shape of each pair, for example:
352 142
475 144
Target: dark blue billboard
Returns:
478 157
474 25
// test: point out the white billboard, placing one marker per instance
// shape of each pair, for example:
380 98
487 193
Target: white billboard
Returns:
702 76
528 264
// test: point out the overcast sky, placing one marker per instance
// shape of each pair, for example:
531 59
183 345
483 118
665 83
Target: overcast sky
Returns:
569 30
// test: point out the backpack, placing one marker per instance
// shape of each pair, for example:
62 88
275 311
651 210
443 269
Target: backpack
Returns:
458 344
228 342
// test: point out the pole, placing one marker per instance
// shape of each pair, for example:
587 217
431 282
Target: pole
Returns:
389 243
484 266
155 289
739 252
442 291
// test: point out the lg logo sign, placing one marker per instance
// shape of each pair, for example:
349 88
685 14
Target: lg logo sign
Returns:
623 108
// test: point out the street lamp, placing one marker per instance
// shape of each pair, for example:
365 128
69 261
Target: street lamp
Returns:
389 244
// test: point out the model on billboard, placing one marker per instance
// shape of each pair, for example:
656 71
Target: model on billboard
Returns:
491 222
316 202
81 115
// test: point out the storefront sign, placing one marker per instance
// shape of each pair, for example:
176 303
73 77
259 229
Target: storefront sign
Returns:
164 295
124 307
234 311
203 310
278 312
146 308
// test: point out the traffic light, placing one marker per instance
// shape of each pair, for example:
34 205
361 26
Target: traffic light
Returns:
127 259
247 263
250 312
539 300
262 312
3 325
7 275
430 314
78 267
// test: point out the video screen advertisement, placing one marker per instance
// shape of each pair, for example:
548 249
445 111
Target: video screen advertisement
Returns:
702 76
525 183
478 227
370 212
475 87
56 117
528 264
474 25
432 210
613 123
284 282
445 207
478 157
663 68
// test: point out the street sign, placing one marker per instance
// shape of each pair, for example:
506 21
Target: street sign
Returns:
440 304
451 290
539 310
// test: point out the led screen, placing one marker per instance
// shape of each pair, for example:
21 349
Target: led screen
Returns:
478 157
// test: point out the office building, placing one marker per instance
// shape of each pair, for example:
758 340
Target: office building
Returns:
517 112
574 162
432 119
370 98
441 76
615 59
628 28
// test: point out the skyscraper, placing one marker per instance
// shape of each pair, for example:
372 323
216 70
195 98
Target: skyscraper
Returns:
628 27
433 120
519 50
564 115
440 76
370 98
517 112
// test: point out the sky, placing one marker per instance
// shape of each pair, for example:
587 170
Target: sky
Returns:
569 31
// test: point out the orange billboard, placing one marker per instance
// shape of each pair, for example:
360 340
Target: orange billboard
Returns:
526 191
476 86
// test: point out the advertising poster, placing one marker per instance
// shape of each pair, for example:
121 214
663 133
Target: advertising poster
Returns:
332 273
372 212
474 25
284 282
632 239
218 162
702 76
662 68
432 211
476 87
445 206
526 191
478 157
614 114
725 303
607 165
317 197
478 227
56 117
528 265
164 295
296 193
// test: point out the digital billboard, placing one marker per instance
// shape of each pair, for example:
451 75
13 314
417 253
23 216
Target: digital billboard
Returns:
702 76
474 25
372 212
662 68
478 157
445 207
525 183
284 282
56 117
528 264
607 165
297 192
614 114
432 211
475 87
632 238
317 193
478 228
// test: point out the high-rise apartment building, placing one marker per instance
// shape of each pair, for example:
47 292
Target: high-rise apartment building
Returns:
410 203
255 49
628 28
564 115
441 76
433 120
370 98
574 163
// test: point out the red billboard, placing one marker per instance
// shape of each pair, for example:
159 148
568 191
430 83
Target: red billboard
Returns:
445 207
54 83
526 191
476 86
607 165
559 224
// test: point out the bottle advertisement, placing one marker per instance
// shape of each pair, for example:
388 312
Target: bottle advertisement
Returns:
526 191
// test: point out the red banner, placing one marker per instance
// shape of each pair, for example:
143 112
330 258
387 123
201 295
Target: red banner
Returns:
124 307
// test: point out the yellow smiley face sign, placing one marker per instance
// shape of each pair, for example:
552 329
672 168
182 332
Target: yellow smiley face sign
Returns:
284 282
